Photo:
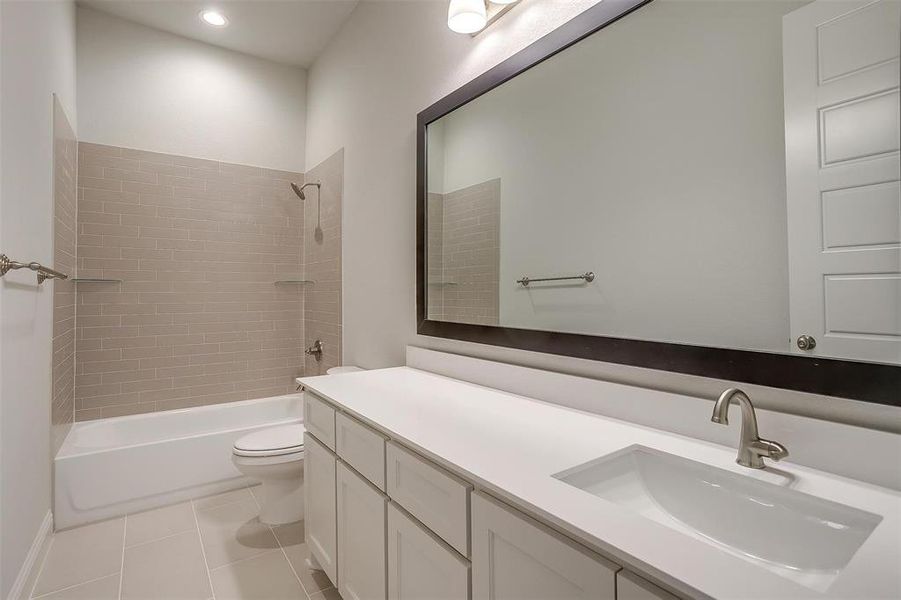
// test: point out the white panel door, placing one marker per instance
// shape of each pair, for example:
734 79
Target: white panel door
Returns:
320 521
842 123
362 566
516 558
420 564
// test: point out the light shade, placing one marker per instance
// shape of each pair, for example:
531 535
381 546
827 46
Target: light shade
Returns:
211 17
503 1
467 16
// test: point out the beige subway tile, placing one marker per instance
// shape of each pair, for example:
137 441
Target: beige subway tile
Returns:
101 149
88 414
161 168
146 155
98 183
121 410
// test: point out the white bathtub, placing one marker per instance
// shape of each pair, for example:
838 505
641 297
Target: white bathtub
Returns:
115 466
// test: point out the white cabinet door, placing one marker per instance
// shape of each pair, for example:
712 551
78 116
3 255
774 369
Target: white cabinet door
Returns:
319 504
420 565
516 558
842 140
630 586
362 572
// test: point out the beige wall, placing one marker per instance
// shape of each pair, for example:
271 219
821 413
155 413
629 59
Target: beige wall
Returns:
65 160
197 318
140 87
389 61
322 263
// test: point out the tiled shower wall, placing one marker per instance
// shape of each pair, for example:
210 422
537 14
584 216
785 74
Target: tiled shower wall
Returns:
322 262
198 246
464 273
65 149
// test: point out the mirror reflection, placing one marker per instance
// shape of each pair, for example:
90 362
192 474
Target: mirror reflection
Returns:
701 172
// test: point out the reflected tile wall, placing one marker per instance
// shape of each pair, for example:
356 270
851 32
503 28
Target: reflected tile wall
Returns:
435 256
65 149
322 262
197 319
470 255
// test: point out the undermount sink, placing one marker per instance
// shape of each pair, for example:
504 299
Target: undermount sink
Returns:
797 535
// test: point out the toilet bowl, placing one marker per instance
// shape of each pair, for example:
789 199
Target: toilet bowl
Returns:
343 369
274 457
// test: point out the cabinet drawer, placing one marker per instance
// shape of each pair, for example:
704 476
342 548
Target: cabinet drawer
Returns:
437 498
319 419
515 557
630 586
362 448
420 564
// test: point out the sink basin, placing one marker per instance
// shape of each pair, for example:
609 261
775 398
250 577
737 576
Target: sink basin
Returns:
768 524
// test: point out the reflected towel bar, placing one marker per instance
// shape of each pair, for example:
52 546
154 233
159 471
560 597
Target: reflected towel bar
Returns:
44 273
587 277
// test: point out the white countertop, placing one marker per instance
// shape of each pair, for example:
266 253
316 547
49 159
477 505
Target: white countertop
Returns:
511 445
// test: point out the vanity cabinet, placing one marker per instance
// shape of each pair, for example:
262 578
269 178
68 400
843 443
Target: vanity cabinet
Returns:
320 470
361 537
630 586
516 558
420 564
387 523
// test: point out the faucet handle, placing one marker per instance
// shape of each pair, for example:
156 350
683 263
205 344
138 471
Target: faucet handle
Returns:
770 449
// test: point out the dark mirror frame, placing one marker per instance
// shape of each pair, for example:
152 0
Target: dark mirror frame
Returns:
869 382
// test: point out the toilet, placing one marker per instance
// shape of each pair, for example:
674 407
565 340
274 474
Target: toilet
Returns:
274 456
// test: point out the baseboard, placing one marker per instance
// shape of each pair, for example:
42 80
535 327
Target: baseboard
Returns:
28 573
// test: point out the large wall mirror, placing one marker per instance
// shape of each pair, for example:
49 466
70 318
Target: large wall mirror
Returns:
707 186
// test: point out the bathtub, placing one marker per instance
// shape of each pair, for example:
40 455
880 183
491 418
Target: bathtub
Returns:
114 466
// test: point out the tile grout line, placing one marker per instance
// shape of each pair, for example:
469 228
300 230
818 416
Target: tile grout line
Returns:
282 548
122 561
165 537
209 576
74 585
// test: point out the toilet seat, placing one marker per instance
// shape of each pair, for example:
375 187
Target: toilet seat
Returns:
281 441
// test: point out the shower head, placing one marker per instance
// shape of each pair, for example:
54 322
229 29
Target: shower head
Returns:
298 189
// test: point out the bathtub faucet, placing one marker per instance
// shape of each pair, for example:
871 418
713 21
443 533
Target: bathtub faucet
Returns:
315 350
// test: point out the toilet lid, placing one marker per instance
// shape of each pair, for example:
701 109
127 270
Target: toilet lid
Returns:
272 441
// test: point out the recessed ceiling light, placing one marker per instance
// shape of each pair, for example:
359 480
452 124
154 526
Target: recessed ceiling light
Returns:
211 17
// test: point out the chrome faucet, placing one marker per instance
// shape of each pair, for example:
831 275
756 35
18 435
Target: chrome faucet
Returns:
751 449
315 350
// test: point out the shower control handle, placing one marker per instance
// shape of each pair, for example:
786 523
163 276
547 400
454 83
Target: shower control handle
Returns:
315 350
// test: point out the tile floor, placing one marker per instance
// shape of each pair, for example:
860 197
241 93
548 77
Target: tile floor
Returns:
213 547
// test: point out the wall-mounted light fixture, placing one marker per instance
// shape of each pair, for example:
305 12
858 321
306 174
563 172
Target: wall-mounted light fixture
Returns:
472 16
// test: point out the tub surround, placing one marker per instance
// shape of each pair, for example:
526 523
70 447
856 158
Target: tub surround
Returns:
322 263
65 161
510 446
197 245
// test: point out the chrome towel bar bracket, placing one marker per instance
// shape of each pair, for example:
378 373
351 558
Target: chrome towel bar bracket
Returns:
44 273
587 277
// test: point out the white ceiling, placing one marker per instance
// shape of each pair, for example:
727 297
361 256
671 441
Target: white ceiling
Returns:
293 32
